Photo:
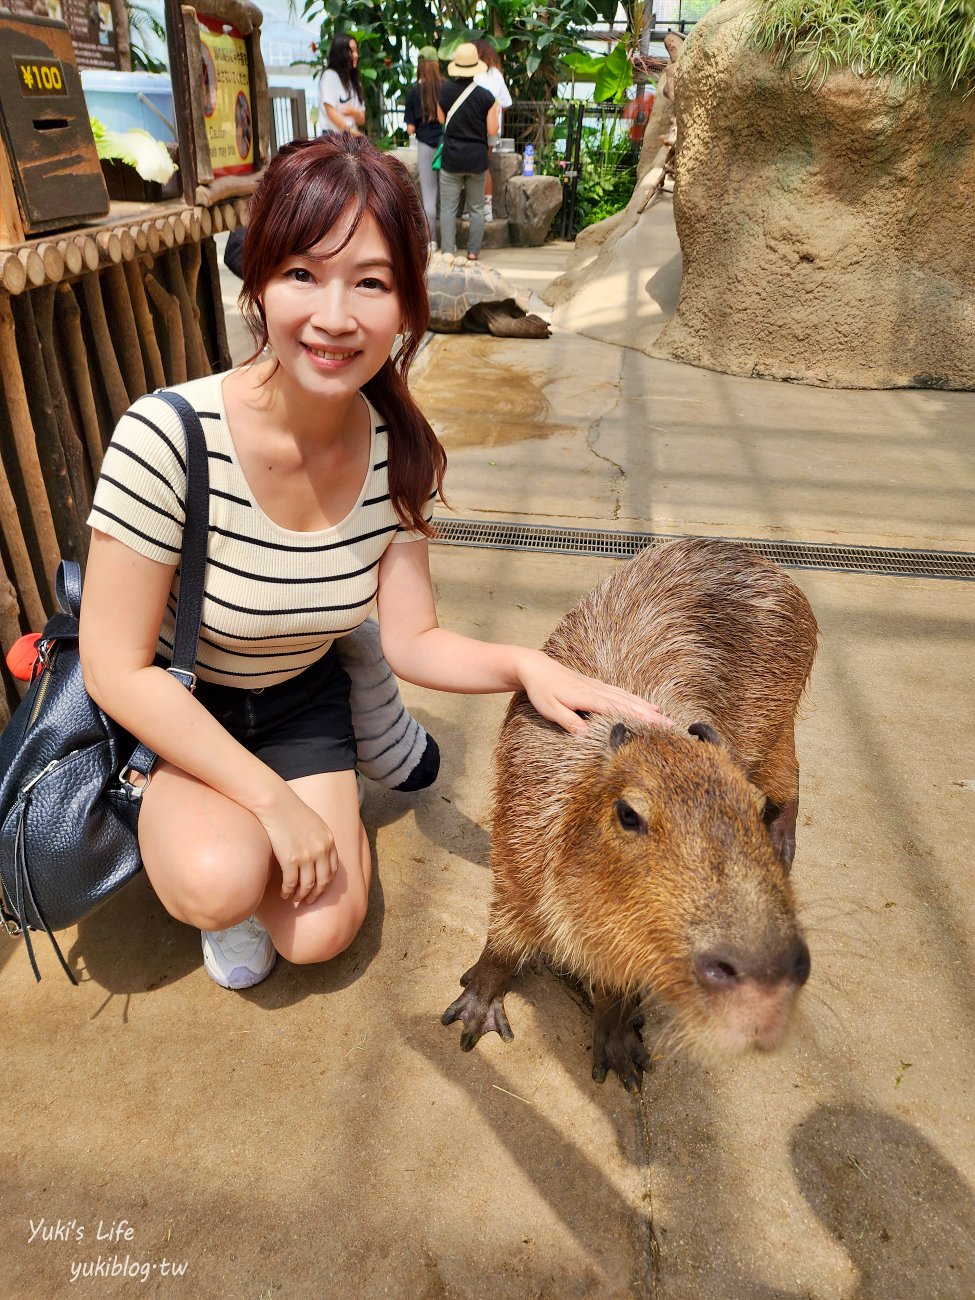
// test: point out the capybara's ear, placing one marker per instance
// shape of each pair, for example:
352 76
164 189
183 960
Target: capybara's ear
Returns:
618 736
705 732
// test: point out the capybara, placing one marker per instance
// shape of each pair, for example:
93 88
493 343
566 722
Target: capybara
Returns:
656 861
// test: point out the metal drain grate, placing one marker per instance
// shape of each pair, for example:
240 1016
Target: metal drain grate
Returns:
956 565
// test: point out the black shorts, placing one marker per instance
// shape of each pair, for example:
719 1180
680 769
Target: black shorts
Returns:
299 727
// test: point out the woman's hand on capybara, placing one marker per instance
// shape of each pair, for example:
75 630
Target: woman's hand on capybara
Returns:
303 846
561 694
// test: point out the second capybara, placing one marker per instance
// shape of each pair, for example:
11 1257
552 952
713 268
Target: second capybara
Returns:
652 861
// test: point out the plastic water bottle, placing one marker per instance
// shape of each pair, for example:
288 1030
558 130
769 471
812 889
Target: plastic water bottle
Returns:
528 164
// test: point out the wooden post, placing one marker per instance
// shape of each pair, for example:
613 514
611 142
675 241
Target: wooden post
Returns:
196 359
176 40
101 337
124 331
47 440
69 322
13 536
151 356
10 632
170 336
23 432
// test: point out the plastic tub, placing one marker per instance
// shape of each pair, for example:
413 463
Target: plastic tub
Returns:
123 100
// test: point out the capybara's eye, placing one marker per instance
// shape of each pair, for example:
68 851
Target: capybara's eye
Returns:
629 818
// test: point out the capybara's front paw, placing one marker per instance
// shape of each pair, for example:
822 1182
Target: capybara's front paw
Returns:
617 1045
480 1011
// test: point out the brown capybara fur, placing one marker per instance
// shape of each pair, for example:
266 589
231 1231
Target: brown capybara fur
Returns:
642 859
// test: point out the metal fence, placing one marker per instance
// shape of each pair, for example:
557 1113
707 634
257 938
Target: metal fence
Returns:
679 15
288 116
592 148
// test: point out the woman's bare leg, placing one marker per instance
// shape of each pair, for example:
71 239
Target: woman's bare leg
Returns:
210 862
307 932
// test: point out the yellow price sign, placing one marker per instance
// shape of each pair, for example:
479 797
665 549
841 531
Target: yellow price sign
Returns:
40 76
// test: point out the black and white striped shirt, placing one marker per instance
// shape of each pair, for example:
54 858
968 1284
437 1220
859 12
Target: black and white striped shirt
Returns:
275 599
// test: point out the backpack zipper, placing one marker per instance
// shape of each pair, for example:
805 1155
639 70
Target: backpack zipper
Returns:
47 653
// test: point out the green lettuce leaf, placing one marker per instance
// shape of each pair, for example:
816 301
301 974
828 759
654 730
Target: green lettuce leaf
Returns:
138 148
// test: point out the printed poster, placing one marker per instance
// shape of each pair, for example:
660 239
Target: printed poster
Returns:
227 106
92 24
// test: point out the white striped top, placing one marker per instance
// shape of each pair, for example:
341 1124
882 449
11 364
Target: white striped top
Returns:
275 599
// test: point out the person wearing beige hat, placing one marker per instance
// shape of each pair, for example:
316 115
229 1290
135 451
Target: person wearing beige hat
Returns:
469 114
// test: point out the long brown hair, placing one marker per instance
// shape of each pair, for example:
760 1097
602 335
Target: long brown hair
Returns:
307 188
340 61
430 80
488 54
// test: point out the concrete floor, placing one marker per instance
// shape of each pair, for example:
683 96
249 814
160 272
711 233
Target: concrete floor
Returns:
323 1136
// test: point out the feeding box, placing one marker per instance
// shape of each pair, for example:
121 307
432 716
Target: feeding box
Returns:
50 176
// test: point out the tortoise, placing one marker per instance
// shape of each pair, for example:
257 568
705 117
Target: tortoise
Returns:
469 297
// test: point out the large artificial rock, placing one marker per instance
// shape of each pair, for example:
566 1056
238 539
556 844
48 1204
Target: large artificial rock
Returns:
660 123
495 234
621 283
503 167
828 232
532 203
410 159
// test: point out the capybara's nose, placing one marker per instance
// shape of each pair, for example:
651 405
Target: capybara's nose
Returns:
724 967
718 969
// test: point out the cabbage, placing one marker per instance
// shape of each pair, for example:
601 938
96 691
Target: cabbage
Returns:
138 148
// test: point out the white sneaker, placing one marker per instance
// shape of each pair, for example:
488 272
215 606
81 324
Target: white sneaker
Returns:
240 957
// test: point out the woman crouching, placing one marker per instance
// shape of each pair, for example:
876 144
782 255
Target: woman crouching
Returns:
323 475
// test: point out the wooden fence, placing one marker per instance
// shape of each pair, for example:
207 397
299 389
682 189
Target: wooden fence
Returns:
89 321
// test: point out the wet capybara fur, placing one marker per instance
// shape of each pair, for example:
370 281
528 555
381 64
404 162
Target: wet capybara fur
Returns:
652 861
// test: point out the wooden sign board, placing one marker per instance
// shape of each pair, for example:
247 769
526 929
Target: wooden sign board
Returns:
227 97
220 96
99 28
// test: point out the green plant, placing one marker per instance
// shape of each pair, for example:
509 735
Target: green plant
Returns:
533 40
607 170
921 42
612 73
143 23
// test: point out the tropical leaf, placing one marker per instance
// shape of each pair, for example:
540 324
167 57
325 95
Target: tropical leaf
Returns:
615 75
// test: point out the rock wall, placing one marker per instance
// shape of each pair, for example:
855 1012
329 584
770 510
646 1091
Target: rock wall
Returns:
828 234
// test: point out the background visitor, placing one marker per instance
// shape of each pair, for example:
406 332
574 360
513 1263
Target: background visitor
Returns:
422 120
493 80
341 103
463 172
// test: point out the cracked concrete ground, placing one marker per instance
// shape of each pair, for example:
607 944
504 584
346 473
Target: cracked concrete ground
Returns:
323 1136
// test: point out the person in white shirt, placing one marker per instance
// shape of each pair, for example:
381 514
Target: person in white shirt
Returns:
340 92
492 80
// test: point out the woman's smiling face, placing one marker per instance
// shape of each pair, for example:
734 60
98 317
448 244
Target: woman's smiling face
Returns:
354 53
332 316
